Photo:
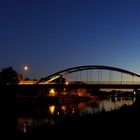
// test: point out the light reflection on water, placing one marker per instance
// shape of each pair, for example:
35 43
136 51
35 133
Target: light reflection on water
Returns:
53 113
108 105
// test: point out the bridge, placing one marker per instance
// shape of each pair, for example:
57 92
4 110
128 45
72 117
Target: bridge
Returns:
97 76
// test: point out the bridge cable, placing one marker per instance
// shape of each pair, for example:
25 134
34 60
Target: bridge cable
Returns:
121 78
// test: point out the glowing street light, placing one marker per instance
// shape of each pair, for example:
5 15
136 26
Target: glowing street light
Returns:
26 68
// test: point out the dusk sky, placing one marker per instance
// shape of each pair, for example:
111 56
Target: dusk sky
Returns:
52 35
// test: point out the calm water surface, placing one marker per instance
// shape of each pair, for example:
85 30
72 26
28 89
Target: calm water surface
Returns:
53 114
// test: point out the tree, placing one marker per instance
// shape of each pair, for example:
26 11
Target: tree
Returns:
8 76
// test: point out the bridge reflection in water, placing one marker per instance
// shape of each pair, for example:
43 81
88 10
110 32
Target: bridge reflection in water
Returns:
52 115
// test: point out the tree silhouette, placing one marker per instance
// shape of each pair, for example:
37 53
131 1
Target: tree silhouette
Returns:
8 76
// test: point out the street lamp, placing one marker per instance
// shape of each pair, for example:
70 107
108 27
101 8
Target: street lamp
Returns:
26 68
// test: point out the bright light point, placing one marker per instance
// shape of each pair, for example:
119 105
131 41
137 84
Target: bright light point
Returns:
52 92
26 68
67 83
52 108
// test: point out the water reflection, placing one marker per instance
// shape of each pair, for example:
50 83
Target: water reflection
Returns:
52 114
108 104
52 109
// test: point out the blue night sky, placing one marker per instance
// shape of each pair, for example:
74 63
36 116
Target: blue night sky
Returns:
53 35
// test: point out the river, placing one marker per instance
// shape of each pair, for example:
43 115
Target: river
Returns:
54 114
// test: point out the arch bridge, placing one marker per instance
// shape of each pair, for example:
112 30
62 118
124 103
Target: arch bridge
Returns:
99 75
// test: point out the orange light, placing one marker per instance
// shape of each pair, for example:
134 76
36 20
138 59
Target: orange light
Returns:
51 109
52 92
64 108
67 83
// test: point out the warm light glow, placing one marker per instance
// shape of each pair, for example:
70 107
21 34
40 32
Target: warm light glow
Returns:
64 108
52 79
67 83
52 92
51 109
26 68
29 82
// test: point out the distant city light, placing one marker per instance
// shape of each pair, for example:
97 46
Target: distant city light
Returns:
67 83
52 92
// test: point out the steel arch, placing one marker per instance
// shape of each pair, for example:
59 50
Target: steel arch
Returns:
88 67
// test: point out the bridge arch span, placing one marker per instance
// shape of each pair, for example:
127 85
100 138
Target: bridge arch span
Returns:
88 67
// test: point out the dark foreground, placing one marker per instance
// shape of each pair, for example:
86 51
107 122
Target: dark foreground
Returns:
118 124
